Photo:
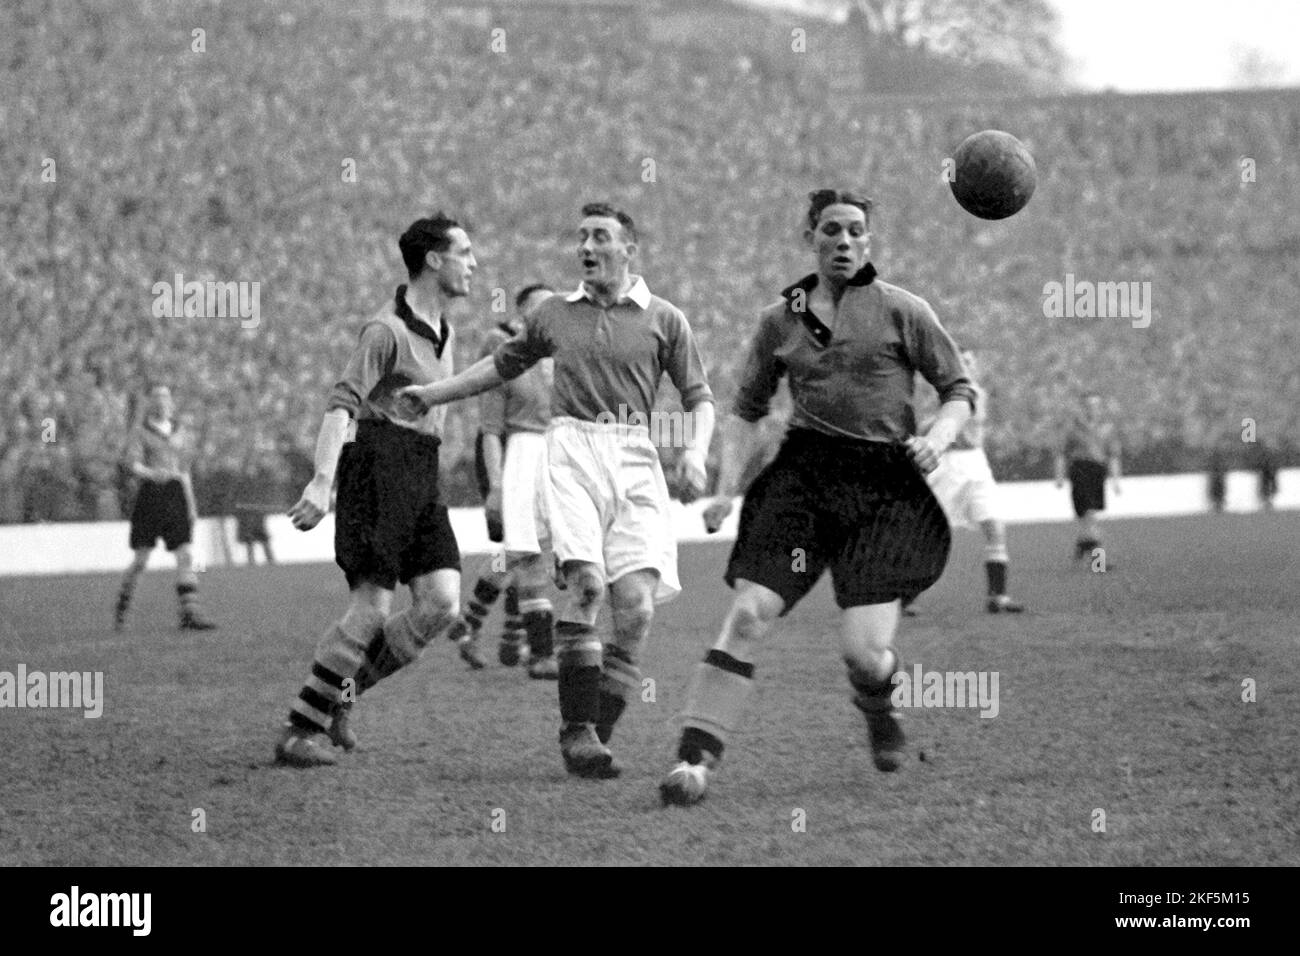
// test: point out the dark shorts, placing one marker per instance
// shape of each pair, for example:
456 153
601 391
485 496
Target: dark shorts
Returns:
1087 486
250 526
390 523
860 508
160 511
496 530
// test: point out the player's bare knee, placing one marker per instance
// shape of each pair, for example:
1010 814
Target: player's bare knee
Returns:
434 611
588 586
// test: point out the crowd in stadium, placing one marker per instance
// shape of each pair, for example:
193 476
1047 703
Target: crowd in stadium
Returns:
253 192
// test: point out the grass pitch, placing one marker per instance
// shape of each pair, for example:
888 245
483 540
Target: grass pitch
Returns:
1119 692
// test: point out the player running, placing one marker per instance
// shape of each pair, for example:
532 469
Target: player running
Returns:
1091 450
964 485
159 453
514 418
391 525
846 491
606 498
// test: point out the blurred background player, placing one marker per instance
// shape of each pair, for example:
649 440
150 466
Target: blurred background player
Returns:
158 453
845 491
520 407
1090 451
607 500
964 485
256 477
391 525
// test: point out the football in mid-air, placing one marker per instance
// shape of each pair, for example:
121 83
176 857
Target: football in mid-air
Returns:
993 175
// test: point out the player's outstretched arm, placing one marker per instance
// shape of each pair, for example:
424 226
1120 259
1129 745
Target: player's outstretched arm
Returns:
414 400
741 440
315 501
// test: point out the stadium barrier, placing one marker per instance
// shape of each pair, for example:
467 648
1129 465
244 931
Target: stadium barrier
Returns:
76 547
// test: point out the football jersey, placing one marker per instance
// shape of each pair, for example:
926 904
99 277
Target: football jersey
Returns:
1087 440
857 380
396 349
608 360
156 444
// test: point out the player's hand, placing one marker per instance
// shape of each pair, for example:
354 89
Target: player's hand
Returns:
717 512
923 453
410 402
493 504
691 477
312 506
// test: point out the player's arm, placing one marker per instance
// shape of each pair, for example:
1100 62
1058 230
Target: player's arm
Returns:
741 435
371 361
191 503
680 358
940 362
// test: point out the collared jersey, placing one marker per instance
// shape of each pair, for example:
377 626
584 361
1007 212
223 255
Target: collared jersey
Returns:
851 374
608 359
522 404
395 349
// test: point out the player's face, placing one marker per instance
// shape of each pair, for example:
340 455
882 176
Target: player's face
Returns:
604 251
455 266
841 241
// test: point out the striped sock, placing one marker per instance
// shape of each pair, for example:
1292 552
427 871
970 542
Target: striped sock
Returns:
539 627
873 694
125 593
620 680
187 594
480 604
338 656
399 643
578 654
516 630
716 699
996 572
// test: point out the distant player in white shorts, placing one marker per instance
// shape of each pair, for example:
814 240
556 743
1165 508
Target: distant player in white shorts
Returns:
511 465
964 485
606 497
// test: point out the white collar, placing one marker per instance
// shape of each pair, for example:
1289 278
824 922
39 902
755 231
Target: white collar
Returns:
639 293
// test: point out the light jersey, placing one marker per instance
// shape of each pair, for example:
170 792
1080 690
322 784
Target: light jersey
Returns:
608 362
159 445
395 349
522 404
971 435
858 380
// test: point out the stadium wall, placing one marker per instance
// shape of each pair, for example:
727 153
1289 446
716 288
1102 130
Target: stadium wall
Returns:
63 548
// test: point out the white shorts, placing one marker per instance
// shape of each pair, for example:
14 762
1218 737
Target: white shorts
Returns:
607 501
964 485
523 494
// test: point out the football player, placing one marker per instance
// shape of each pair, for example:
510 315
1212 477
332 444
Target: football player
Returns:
512 428
606 497
391 524
158 454
1089 452
845 492
964 485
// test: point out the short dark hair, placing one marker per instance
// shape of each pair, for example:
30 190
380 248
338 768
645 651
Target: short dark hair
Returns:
605 209
522 295
819 199
423 237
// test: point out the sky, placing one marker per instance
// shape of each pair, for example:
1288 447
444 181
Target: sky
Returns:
1148 45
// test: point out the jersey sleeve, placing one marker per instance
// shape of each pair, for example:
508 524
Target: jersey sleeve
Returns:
762 372
680 358
371 361
937 357
515 356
